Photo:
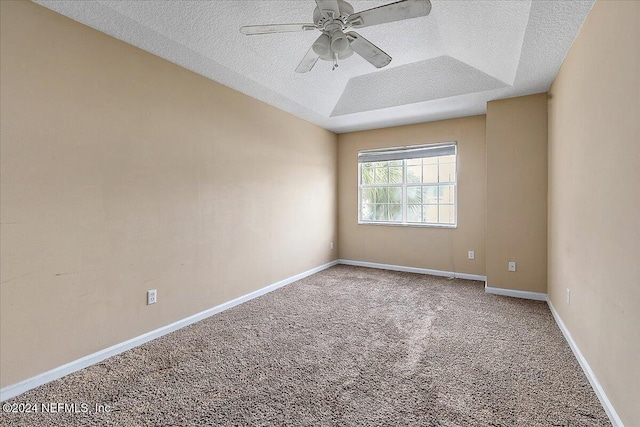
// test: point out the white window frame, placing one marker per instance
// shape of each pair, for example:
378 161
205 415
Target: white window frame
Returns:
405 184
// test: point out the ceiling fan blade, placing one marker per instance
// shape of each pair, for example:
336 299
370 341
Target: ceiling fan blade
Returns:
308 61
329 7
251 30
368 50
404 9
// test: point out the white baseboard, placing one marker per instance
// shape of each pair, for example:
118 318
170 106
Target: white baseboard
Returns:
595 384
412 269
538 296
16 389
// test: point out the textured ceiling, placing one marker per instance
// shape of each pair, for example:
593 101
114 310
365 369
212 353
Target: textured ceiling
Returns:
445 65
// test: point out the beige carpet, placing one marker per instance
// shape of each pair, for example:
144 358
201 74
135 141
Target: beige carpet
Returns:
347 346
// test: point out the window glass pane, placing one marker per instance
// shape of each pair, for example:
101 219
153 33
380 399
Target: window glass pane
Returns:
382 194
414 162
395 194
448 159
380 164
446 214
414 213
430 161
448 173
447 194
430 194
366 173
430 214
414 174
381 176
395 163
367 195
395 212
381 213
430 173
414 195
366 212
395 175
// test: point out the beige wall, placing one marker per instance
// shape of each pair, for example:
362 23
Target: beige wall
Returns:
594 199
433 248
517 193
121 172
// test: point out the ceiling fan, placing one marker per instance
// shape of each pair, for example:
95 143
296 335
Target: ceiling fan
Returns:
333 18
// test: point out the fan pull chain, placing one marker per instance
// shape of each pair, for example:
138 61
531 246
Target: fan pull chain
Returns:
335 61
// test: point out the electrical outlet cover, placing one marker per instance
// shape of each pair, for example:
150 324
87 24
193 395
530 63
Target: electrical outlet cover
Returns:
152 296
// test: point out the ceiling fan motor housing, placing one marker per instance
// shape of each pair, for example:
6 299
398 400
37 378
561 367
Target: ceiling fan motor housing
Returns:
333 41
345 10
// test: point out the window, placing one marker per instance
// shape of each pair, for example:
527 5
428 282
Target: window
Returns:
413 185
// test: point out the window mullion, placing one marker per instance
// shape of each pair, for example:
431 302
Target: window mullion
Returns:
438 188
404 191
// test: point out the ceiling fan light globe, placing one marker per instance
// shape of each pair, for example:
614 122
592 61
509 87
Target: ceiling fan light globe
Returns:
322 46
347 53
328 57
339 42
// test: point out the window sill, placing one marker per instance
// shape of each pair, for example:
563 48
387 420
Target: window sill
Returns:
404 224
